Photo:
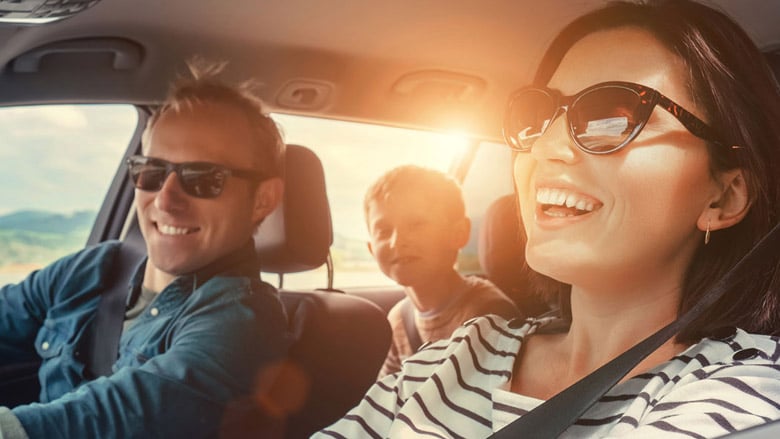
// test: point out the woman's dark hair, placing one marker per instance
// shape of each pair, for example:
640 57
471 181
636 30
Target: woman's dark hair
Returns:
732 83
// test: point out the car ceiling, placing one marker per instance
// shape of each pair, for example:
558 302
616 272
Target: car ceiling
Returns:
434 64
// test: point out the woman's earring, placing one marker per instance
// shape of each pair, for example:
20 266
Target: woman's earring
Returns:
707 234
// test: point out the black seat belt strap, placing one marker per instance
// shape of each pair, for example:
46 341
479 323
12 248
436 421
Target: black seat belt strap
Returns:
555 415
110 315
412 334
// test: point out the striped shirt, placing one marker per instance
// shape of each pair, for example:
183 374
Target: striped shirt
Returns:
477 297
457 388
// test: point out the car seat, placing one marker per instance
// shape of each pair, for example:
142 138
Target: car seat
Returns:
501 253
339 341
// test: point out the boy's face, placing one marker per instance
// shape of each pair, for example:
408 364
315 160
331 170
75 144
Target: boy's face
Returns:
412 238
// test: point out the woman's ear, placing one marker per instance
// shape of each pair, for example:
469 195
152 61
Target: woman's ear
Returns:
729 205
268 195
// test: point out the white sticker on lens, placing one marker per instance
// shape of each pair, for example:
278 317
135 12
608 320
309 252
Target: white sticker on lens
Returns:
612 126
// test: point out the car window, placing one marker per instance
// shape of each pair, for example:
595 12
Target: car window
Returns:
56 163
354 155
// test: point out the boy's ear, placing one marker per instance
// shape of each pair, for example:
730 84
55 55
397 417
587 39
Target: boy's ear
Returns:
370 248
268 195
461 232
729 205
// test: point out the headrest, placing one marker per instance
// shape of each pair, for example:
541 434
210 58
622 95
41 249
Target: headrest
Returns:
501 247
298 234
502 255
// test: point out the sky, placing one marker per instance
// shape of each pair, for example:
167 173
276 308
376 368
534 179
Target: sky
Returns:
60 158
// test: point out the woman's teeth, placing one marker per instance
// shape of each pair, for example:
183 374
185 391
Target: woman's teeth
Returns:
561 202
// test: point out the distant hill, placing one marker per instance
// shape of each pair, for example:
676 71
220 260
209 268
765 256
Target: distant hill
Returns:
39 237
43 221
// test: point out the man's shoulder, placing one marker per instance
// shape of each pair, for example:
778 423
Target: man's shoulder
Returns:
236 287
92 262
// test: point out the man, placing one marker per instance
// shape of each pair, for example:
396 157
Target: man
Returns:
202 326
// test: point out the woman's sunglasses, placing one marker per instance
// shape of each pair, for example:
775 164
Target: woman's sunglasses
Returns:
602 118
198 179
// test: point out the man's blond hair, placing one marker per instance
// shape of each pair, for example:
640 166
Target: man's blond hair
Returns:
203 86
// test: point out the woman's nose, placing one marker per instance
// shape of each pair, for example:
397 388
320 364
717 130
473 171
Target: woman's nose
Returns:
556 144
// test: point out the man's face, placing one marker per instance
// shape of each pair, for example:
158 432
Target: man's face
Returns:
184 233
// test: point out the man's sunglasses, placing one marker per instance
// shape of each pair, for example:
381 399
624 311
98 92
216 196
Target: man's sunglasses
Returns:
198 179
602 118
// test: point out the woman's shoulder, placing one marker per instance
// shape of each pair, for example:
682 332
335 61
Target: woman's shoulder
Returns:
483 348
730 353
486 334
733 346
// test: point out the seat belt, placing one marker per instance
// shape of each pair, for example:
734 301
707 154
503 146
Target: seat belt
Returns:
554 416
106 329
412 334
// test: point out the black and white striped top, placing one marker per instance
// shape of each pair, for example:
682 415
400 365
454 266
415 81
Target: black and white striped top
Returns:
458 388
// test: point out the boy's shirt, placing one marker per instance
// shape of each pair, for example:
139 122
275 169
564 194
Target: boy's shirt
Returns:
478 297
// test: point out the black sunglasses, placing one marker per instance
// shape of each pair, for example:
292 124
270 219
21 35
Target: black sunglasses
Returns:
198 179
602 118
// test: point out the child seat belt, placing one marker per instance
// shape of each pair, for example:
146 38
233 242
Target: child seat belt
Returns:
407 315
555 415
106 329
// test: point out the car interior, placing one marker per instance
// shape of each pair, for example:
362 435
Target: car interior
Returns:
433 67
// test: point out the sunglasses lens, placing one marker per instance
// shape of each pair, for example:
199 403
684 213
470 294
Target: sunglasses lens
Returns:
529 115
604 119
146 174
202 180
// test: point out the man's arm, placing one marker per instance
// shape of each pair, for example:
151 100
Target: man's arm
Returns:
25 306
212 361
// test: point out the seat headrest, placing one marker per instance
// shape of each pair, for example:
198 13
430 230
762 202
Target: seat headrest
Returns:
298 234
501 248
502 255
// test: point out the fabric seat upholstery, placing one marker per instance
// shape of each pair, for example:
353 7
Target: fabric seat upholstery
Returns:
339 341
501 254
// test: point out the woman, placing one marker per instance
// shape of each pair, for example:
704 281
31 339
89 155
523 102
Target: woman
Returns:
647 164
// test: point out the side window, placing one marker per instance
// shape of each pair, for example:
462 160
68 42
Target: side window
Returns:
56 163
354 155
488 177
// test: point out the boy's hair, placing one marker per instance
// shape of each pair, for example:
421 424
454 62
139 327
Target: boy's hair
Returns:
203 86
440 188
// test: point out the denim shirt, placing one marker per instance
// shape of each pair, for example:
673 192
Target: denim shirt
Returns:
196 350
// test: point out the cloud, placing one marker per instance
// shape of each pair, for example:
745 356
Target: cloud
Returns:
61 157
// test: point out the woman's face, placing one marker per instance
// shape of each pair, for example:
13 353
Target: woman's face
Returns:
646 197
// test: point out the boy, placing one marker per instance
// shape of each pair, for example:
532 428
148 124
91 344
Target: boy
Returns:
417 224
